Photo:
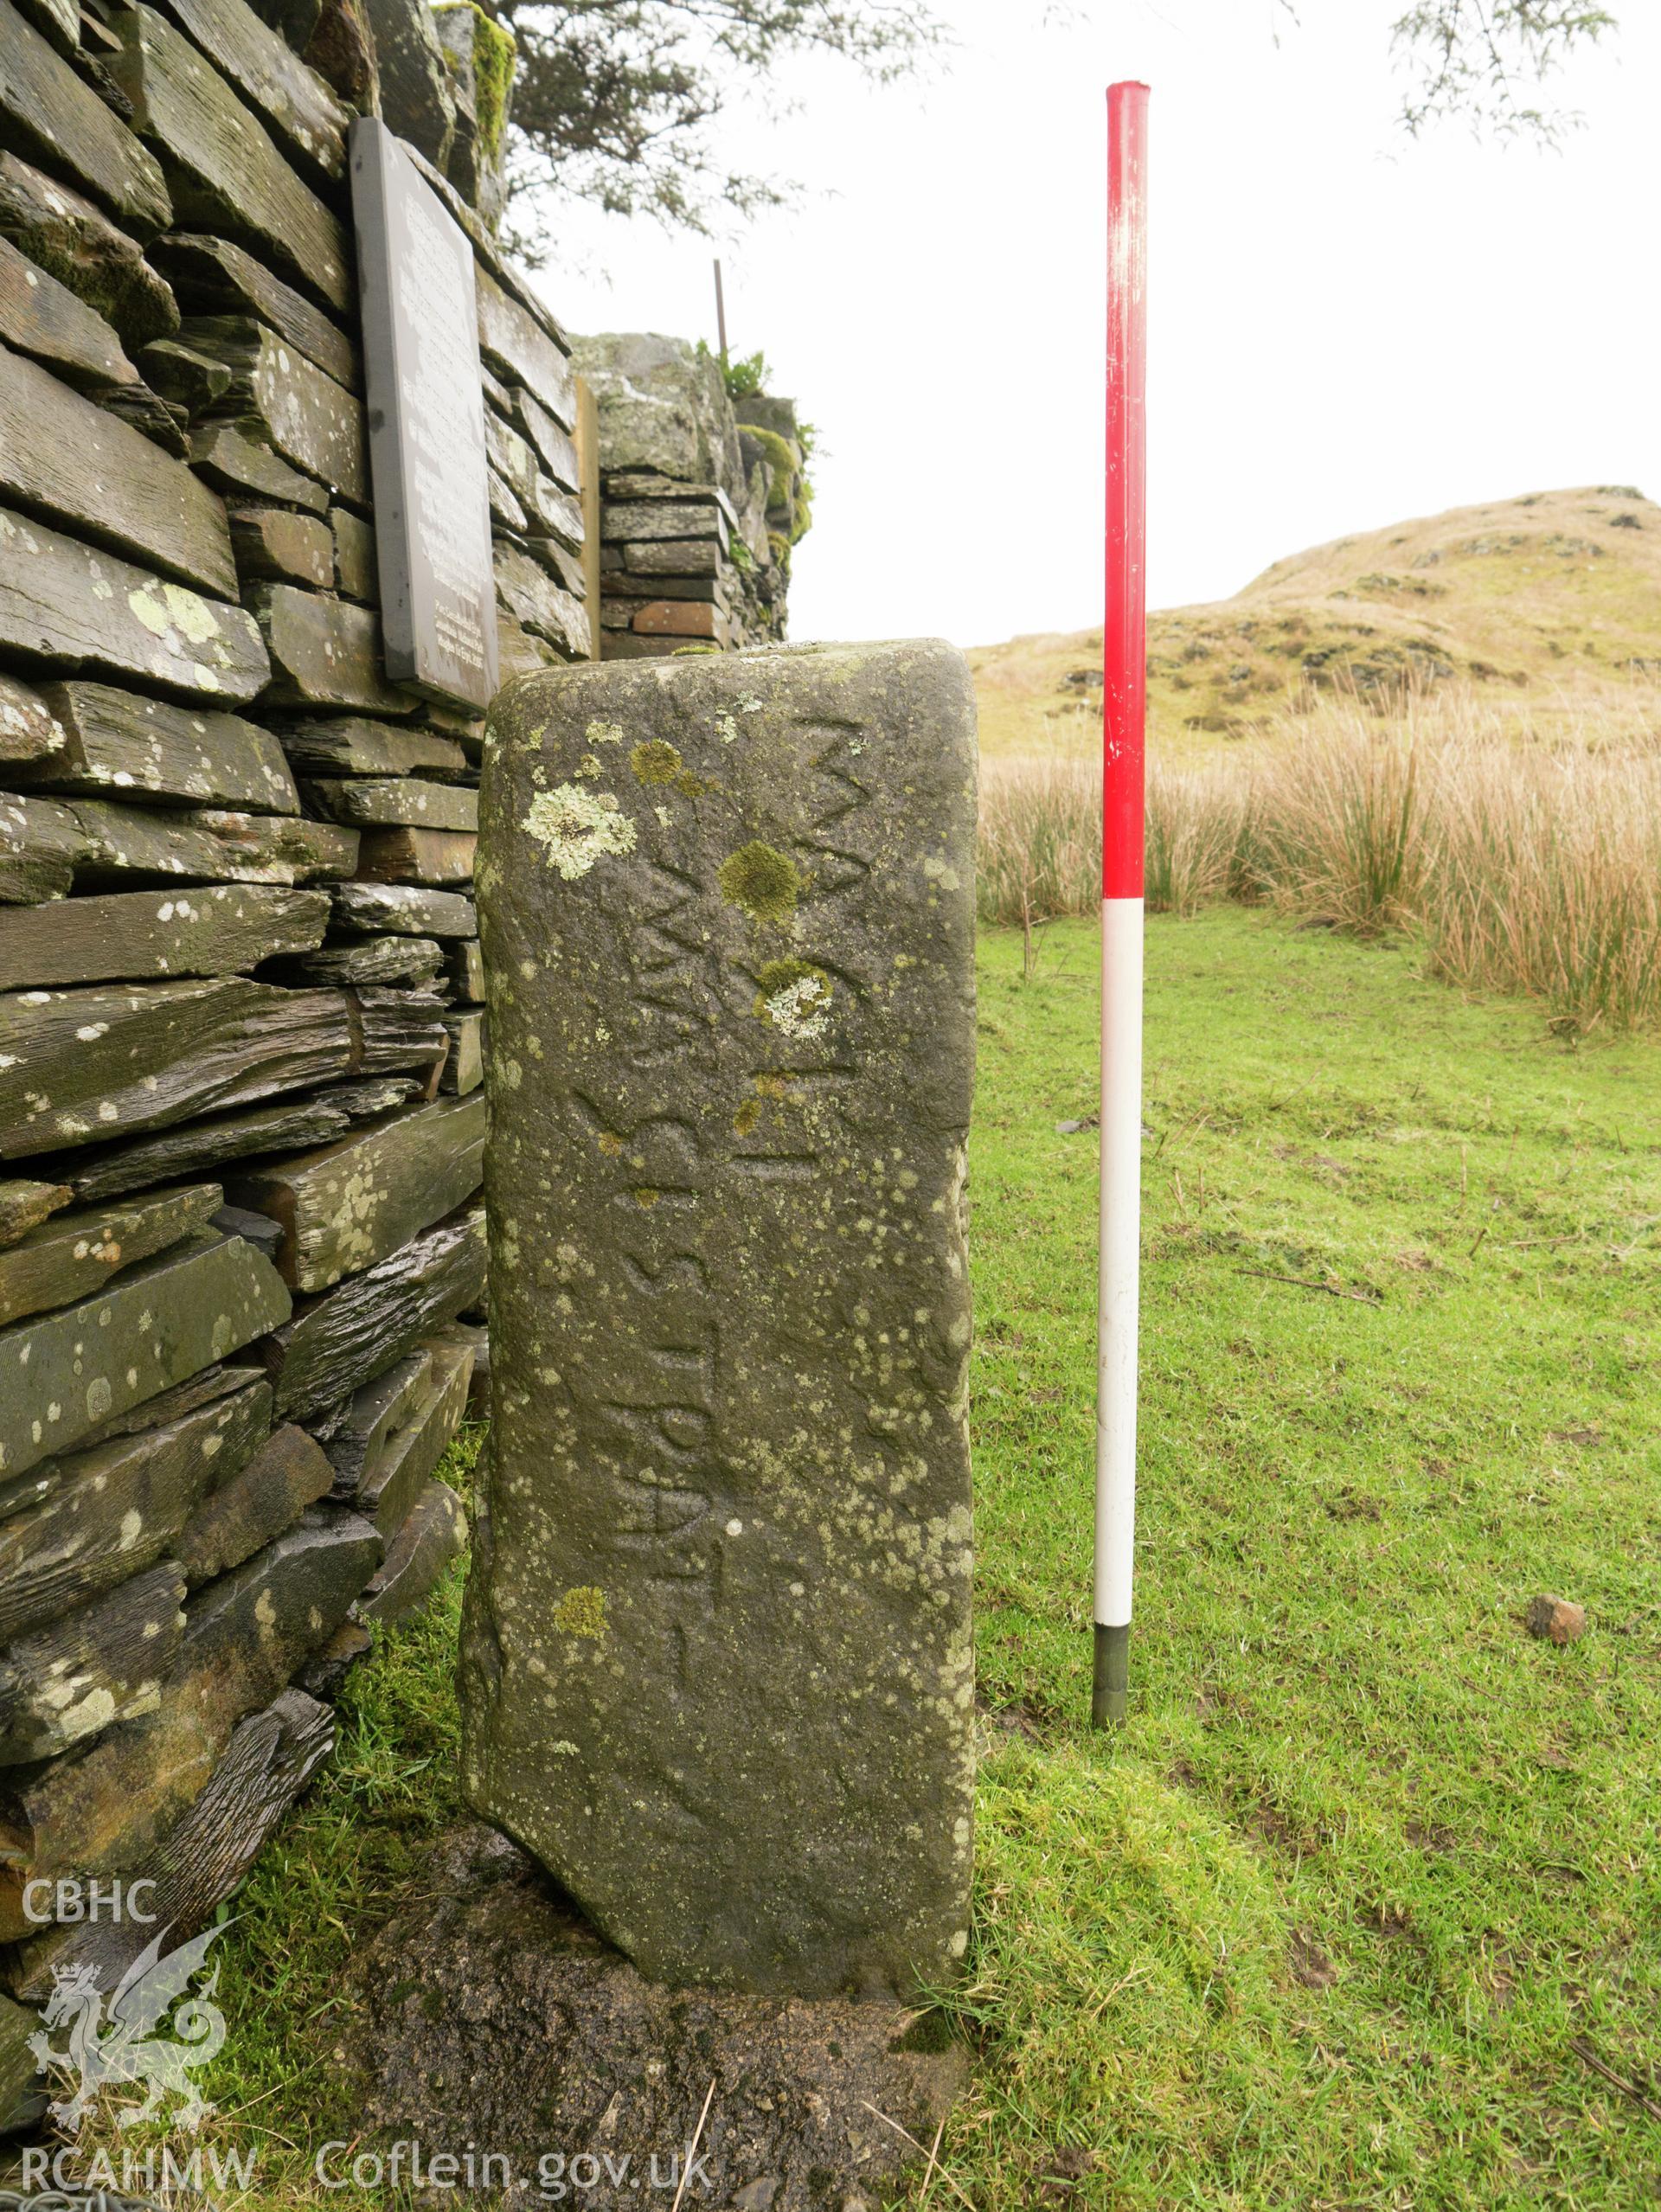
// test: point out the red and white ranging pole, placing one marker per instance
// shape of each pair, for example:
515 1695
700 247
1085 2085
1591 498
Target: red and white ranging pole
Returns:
1123 721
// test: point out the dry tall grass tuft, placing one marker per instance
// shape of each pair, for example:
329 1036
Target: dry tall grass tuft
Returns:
1518 866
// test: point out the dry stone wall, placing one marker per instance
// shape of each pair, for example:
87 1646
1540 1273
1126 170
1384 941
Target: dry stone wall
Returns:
702 499
241 1027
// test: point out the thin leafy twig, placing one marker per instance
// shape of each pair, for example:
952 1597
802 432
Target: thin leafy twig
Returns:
1302 1282
1589 2057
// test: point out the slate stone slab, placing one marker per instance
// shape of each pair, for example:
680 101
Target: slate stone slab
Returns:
355 575
464 1068
43 318
717 1668
415 91
76 463
40 845
426 413
674 557
344 1208
62 1373
383 961
48 114
253 1504
404 907
30 734
223 931
556 445
183 377
342 50
518 347
70 1255
66 607
241 467
663 518
545 608
272 77
380 801
433 1533
271 545
224 172
68 1681
344 1338
389 1490
463 969
210 845
377 1419
245 1636
115 742
114 1509
212 276
84 1065
64 234
352 746
401 855
220 1138
308 417
324 652
204 1859
24 1205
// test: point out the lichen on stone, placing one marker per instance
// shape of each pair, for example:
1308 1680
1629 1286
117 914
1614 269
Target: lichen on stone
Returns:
581 1611
578 827
764 883
795 997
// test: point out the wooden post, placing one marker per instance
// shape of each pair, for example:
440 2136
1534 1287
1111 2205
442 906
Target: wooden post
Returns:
588 471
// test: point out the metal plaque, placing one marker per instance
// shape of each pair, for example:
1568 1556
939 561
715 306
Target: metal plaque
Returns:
426 427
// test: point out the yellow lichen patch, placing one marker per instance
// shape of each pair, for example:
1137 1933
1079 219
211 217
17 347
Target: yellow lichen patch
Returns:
581 1611
745 1119
609 1144
773 1087
647 1197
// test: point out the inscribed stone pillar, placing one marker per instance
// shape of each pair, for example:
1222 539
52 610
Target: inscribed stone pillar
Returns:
716 1665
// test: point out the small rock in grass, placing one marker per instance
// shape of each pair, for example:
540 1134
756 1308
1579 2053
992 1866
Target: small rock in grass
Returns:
1556 1620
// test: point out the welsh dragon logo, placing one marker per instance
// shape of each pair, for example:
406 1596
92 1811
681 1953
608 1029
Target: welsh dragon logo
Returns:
107 2050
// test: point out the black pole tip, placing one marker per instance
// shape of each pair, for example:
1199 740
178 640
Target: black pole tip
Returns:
1110 1695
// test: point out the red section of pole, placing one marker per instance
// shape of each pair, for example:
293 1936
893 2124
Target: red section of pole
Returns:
1124 644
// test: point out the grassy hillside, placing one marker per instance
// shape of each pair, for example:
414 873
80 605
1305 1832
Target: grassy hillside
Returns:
1549 607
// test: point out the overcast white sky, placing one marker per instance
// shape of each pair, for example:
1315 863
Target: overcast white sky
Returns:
1348 328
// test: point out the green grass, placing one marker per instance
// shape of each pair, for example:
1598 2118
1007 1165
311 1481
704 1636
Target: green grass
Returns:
1323 1927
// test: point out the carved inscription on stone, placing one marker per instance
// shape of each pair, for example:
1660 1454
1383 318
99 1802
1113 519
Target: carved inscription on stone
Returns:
717 1665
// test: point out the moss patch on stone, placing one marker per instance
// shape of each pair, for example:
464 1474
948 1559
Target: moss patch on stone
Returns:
779 975
765 883
656 761
494 58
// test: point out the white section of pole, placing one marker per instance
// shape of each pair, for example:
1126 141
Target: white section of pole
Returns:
1118 1293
